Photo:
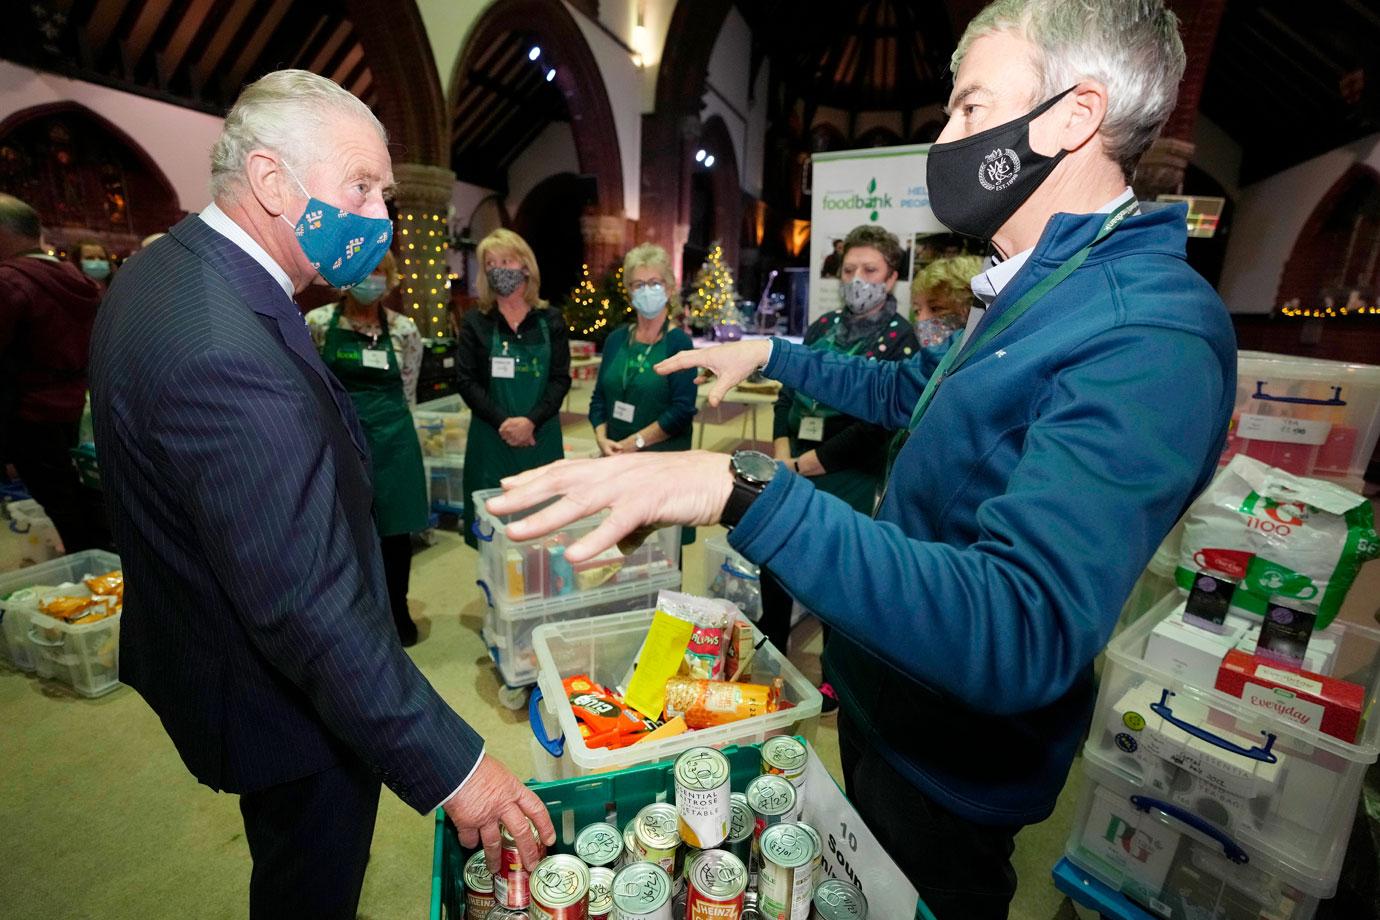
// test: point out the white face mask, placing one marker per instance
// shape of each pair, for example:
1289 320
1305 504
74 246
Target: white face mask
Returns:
862 296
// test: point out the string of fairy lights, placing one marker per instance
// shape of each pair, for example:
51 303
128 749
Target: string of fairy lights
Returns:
586 294
425 274
712 299
1328 312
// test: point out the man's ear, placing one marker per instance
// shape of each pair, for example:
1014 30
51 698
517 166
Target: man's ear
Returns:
269 182
1085 110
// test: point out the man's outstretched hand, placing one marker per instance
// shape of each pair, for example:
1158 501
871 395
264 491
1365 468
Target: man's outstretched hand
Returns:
731 364
492 796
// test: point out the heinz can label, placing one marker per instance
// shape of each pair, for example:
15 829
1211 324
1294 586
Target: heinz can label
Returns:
642 891
836 899
786 875
702 797
560 889
599 845
479 887
717 882
600 893
656 836
511 880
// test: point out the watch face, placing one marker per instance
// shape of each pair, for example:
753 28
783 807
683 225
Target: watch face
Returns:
754 466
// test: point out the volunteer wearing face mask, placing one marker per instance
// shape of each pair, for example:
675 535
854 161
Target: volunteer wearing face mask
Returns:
94 261
514 368
377 354
1047 456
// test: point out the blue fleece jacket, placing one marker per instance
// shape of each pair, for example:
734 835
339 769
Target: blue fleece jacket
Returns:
1017 516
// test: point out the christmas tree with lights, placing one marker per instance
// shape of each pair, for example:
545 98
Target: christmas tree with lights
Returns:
592 310
712 299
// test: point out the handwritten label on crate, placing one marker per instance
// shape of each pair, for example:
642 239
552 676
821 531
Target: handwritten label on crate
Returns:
1286 430
851 852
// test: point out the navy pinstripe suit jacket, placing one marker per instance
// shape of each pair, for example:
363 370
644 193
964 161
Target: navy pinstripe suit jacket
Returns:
256 619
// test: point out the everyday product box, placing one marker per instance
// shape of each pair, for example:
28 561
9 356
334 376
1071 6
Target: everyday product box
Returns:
1309 700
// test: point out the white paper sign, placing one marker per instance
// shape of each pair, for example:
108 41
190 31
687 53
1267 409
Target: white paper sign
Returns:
811 428
375 358
623 411
851 853
504 368
1287 430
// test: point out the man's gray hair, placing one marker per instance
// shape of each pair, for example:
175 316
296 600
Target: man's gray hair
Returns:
287 112
18 218
1132 47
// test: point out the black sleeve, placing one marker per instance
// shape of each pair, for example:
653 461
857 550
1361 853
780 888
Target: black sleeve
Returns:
558 376
472 368
863 445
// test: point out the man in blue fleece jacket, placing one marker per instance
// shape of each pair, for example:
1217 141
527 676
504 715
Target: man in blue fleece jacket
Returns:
1047 455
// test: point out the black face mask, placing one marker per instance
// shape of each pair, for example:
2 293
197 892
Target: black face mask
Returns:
976 184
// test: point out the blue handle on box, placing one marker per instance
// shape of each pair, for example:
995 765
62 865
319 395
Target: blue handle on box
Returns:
737 574
1230 847
488 595
1262 754
479 532
554 746
1336 399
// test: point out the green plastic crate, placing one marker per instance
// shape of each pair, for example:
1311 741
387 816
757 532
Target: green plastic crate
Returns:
574 803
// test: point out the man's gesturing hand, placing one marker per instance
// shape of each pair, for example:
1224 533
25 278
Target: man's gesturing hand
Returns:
492 796
731 364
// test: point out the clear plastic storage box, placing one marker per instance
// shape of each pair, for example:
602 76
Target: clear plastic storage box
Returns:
1175 864
1255 775
730 576
84 656
443 426
1306 416
19 601
514 572
604 648
445 477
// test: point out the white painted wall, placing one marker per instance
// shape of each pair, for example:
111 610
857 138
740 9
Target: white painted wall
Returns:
1269 217
447 24
552 152
730 62
179 140
623 84
1215 153
731 96
754 158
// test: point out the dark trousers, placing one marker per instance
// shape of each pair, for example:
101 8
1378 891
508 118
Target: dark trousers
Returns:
310 842
42 455
775 622
397 573
962 870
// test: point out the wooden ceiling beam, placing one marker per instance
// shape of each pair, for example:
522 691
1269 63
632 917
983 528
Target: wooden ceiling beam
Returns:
101 26
196 18
336 39
136 43
229 33
252 49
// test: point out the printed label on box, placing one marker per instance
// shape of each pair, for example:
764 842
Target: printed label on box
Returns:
1290 679
1285 430
1283 703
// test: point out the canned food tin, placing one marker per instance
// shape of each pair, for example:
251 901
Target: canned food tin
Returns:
599 845
511 881
642 891
702 797
742 827
786 757
717 880
656 836
819 849
786 874
560 889
503 913
836 899
479 887
772 800
629 845
600 893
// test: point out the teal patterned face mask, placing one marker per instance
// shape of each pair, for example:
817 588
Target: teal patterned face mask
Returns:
342 246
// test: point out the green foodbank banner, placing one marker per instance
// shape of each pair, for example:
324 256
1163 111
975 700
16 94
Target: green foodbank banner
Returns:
883 186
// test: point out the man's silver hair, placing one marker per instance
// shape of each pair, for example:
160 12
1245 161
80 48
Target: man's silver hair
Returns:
1132 47
287 112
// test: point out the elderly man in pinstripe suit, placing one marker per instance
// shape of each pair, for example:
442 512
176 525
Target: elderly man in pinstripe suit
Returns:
256 621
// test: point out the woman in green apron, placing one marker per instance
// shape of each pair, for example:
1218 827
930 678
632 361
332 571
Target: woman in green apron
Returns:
842 455
633 407
376 355
514 370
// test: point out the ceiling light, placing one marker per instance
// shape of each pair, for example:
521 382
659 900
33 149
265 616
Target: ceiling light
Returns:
709 160
534 53
551 75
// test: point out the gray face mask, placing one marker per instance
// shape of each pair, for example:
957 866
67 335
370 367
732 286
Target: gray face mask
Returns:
504 281
861 296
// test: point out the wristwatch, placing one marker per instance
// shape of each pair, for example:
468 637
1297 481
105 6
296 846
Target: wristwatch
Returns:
639 442
752 473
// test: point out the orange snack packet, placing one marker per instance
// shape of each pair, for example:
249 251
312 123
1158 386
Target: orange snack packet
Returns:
65 608
707 703
111 583
600 710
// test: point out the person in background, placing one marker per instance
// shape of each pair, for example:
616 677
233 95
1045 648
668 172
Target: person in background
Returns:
830 268
514 368
94 261
940 297
376 354
1041 463
256 621
47 308
842 455
632 407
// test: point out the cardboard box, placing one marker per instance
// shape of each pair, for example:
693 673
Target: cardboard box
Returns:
1302 698
1191 653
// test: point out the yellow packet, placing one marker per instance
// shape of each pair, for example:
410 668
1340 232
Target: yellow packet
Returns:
662 655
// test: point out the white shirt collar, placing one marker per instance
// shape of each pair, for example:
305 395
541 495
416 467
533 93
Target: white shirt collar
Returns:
988 285
220 222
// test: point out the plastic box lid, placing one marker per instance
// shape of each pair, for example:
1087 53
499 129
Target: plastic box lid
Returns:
69 569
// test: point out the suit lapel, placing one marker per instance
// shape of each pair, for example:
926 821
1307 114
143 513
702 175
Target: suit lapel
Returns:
261 293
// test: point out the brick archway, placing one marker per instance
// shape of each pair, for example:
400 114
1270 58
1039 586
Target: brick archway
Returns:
1339 245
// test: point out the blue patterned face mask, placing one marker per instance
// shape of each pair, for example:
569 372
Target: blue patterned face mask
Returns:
342 246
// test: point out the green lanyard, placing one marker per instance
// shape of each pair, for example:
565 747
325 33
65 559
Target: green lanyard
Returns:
642 358
955 357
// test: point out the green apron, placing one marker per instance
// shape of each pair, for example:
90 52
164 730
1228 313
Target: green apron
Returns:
400 503
633 380
857 487
488 458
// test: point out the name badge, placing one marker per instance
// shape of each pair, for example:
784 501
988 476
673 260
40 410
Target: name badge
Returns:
811 428
504 368
375 358
623 411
